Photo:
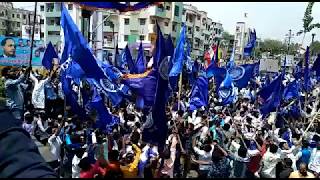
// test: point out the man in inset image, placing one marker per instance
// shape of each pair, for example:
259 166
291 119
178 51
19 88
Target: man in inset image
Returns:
9 48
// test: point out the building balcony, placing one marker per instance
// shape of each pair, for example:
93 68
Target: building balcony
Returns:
53 28
52 14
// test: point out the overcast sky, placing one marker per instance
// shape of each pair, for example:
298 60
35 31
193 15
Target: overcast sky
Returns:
270 19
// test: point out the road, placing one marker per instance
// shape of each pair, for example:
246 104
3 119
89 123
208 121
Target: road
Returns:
44 150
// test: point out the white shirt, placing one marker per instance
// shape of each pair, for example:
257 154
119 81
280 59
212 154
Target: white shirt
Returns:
270 161
314 164
55 146
204 156
38 96
75 165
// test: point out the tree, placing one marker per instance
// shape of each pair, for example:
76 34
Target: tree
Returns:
307 20
276 47
315 47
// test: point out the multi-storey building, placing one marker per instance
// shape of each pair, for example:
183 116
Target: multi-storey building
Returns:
18 22
202 31
241 39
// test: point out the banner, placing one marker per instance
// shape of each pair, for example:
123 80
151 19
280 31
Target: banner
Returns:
15 51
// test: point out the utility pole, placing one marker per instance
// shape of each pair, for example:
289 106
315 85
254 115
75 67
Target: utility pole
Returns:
288 48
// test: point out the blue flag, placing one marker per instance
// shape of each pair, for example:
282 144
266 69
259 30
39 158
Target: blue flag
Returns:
156 128
226 91
242 74
306 78
140 63
291 91
128 59
177 60
274 99
77 47
199 93
105 119
251 43
316 66
48 56
169 47
231 64
159 52
265 92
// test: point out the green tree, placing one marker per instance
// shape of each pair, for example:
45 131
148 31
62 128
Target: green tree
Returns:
273 46
315 47
307 20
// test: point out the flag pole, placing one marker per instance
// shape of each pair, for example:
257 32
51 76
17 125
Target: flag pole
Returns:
180 88
33 31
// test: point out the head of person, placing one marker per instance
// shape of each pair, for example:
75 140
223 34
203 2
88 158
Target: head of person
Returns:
9 47
242 152
273 148
287 162
28 43
113 156
8 73
303 169
37 53
20 42
284 145
207 148
85 164
217 154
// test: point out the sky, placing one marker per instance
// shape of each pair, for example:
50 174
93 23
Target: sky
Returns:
272 20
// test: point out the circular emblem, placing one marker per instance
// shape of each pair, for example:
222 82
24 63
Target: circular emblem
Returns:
224 93
237 73
107 85
164 68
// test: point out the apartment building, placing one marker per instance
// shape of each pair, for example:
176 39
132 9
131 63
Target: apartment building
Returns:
202 31
18 22
241 39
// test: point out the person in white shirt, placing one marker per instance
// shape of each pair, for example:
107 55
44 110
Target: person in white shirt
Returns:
55 148
75 163
38 95
269 162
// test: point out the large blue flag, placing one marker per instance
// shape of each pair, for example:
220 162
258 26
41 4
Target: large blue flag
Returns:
274 99
156 128
169 47
266 92
48 56
159 53
242 74
291 91
218 73
77 47
140 63
199 93
226 91
128 59
178 55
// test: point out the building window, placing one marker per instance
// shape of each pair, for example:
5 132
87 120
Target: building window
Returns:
18 24
184 12
176 10
70 6
142 21
50 7
2 14
57 21
126 21
198 17
42 8
42 35
160 6
168 8
41 21
166 23
3 24
197 28
141 37
18 15
54 33
190 18
189 30
153 21
24 16
174 27
12 15
126 37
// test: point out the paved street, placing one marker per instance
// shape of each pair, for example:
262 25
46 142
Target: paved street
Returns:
44 150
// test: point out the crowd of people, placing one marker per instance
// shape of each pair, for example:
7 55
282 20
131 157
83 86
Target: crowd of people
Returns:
213 142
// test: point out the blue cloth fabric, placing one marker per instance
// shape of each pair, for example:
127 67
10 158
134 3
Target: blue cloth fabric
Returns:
48 56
